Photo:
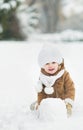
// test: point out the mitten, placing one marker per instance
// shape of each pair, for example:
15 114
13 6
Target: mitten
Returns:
34 106
69 109
69 104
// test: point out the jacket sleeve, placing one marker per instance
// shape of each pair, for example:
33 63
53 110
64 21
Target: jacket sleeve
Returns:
69 87
41 96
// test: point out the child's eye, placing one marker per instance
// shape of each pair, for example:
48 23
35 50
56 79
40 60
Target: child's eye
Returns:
47 63
53 62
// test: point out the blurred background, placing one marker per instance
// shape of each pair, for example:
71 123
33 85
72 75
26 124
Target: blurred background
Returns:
23 20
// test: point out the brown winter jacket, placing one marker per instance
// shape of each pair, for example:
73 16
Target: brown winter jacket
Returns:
63 87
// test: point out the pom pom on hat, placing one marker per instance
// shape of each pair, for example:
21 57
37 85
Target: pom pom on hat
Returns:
49 54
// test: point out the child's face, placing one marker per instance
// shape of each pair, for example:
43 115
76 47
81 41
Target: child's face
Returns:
51 68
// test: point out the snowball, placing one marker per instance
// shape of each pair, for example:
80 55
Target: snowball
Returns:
51 109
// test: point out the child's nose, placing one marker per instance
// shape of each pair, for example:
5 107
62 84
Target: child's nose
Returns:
50 64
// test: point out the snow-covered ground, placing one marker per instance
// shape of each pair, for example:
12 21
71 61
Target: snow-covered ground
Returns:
19 73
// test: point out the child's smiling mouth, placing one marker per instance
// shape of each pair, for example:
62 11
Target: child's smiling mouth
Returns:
51 69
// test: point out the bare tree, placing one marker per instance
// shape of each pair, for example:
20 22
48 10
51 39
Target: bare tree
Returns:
30 2
49 11
49 14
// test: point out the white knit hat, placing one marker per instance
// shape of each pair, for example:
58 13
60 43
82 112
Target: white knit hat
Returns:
49 54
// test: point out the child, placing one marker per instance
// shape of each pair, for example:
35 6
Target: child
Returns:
54 80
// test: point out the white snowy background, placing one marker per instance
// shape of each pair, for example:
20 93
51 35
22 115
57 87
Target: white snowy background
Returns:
19 73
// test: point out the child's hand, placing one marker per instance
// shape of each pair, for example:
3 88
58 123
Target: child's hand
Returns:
69 109
34 106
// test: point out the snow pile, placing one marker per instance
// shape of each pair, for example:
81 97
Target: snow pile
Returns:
51 109
65 36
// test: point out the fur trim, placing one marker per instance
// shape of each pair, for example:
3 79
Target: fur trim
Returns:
69 100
